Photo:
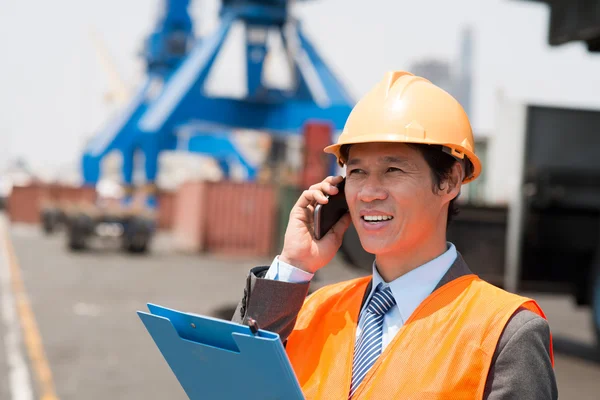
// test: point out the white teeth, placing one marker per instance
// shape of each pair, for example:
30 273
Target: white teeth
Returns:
377 217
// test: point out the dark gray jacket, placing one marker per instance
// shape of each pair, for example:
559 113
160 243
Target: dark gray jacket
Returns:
521 367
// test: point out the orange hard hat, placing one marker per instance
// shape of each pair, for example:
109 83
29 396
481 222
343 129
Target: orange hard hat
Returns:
406 108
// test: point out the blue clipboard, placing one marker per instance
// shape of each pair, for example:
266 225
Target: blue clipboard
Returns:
218 359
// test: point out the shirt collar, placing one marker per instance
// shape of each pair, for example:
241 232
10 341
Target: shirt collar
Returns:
412 288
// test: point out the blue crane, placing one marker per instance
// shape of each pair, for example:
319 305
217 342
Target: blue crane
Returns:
172 111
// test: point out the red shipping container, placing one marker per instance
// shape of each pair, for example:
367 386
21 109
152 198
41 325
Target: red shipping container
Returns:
317 136
76 194
189 216
166 206
225 217
25 202
240 218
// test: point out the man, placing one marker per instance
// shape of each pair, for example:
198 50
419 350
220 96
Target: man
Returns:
423 326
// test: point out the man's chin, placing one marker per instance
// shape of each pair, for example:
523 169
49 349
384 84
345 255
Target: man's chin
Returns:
374 246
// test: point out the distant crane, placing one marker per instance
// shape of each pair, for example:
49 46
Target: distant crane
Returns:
172 111
119 93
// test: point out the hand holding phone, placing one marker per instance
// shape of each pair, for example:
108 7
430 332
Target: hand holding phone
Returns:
301 248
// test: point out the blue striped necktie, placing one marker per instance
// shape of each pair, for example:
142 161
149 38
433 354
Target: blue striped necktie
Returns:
368 346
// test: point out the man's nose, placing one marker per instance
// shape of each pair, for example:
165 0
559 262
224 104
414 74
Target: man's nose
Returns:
372 190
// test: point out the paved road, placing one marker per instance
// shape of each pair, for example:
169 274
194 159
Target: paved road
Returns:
97 348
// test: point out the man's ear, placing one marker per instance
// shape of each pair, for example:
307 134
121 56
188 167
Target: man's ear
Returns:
454 182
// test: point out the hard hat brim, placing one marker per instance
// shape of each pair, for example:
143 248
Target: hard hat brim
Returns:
335 149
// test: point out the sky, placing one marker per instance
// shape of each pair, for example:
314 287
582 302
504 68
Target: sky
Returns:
53 86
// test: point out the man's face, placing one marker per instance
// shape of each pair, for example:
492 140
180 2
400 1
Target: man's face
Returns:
390 194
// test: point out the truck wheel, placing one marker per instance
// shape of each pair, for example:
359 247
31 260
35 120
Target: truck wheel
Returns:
76 238
137 235
79 228
49 221
138 245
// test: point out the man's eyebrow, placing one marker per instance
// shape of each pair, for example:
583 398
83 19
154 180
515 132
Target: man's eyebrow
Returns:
393 159
384 160
353 161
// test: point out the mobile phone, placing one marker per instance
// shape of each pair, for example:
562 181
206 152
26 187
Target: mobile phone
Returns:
326 215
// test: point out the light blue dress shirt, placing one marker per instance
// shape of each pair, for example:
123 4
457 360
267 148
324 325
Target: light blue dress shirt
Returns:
409 290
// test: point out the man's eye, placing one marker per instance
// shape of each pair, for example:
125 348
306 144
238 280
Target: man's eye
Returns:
393 169
356 171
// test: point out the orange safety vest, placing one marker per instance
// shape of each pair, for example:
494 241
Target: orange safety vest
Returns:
444 350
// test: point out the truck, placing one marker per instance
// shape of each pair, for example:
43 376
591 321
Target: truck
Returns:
540 230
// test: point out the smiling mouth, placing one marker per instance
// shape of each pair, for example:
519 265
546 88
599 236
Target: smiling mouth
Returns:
373 219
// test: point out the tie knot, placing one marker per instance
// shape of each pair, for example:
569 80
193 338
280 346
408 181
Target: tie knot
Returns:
382 301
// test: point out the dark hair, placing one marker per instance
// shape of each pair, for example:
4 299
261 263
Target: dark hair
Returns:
439 162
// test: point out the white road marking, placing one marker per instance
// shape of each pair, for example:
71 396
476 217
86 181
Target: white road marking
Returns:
19 379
